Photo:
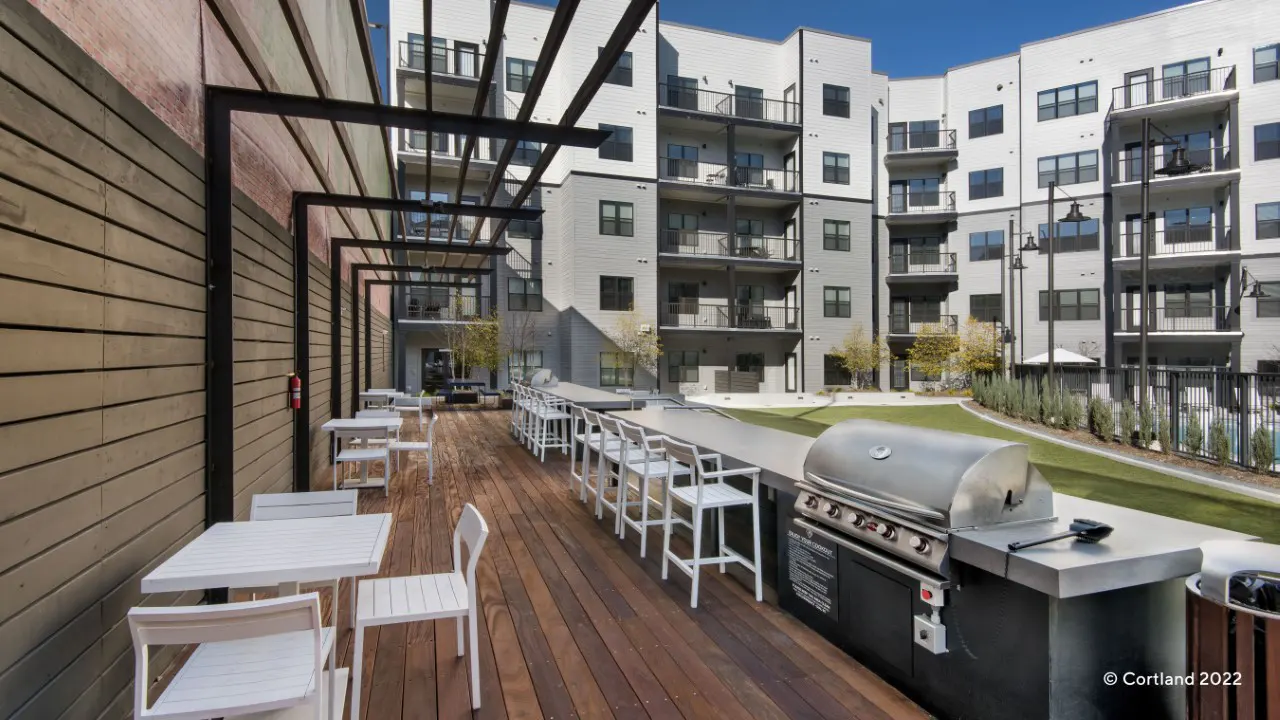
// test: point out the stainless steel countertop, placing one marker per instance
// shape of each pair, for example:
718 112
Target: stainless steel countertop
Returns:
587 397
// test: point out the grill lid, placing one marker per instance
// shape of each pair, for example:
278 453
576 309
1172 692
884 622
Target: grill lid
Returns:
943 479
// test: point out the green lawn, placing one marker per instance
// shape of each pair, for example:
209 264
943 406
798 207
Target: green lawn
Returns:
1069 471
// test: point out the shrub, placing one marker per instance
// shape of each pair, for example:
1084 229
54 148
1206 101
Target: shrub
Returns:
1146 426
1031 402
1071 412
1049 410
1195 435
821 393
1128 420
1219 444
1163 435
1101 420
1262 449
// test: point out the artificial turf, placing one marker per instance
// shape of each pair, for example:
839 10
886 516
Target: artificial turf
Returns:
1070 471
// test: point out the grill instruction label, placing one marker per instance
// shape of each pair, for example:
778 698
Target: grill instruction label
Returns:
811 569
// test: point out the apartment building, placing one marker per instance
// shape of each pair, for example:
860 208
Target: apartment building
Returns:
761 199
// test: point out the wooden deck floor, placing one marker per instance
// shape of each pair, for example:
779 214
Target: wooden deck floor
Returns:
574 623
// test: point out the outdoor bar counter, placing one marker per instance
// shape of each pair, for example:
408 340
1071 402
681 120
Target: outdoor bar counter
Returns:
587 397
1028 635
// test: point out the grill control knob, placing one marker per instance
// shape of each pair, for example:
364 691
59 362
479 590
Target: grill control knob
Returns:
919 544
833 510
811 502
886 531
857 519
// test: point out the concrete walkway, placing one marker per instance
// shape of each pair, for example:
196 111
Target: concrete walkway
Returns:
1197 476
749 401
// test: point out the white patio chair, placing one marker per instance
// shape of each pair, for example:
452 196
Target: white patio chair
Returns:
701 496
611 457
250 657
380 414
364 454
427 446
389 601
590 437
414 406
550 425
373 401
652 466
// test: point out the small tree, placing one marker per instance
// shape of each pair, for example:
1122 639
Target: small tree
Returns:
979 348
1071 412
1219 443
521 332
635 337
1163 436
933 352
1146 426
1195 434
1102 420
1262 449
1128 421
861 354
483 342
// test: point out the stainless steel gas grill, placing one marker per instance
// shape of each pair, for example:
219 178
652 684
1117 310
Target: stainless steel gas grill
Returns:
901 490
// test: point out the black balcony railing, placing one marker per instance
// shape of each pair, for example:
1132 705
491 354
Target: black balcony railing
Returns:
1177 240
457 308
709 173
463 62
728 105
1182 317
923 263
922 141
911 325
699 243
436 226
933 201
748 316
450 145
1177 87
1128 163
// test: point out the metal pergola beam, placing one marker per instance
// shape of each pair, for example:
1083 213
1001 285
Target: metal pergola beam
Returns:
407 246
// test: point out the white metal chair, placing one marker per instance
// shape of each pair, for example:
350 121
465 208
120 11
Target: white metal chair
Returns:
389 601
611 457
251 657
380 414
652 466
591 438
701 496
551 425
398 446
364 454
521 396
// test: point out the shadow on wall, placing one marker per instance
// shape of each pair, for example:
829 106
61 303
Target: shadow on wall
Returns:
668 59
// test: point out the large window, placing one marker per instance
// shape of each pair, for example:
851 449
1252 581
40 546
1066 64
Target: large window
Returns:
1268 217
835 168
621 72
986 308
919 192
1266 141
1188 300
750 362
616 369
987 245
1068 169
835 235
1269 306
834 372
836 302
617 218
522 365
985 184
519 74
835 100
616 293
1070 237
1188 77
618 145
682 366
1067 101
987 121
526 153
1071 305
524 294
1264 63
1187 225
682 161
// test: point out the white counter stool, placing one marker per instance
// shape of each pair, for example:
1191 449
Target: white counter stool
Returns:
397 446
611 459
593 437
394 600
551 425
709 491
581 435
652 466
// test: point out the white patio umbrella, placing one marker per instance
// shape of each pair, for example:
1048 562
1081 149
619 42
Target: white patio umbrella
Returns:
1060 357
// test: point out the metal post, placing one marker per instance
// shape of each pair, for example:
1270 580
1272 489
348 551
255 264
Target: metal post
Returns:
1053 305
219 341
368 336
1006 252
1145 241
1022 310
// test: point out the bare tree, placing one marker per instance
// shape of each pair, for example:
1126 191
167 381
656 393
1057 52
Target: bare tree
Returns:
521 333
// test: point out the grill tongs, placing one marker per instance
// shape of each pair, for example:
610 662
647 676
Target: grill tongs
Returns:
1085 531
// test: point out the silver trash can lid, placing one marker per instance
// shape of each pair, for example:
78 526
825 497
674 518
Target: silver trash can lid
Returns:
1242 575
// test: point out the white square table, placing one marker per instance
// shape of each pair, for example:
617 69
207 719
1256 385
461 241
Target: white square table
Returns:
392 424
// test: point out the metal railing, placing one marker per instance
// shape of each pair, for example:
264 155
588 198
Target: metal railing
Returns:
450 144
709 173
457 62
922 263
1177 87
748 316
907 325
436 226
710 244
934 201
458 308
1183 317
922 141
1128 163
1174 241
728 105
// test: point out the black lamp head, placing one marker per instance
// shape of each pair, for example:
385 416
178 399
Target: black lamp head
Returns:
1075 215
1177 163
1257 291
1030 244
1018 264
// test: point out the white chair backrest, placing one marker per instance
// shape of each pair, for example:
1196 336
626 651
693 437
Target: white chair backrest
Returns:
608 424
631 433
294 505
377 414
684 454
472 530
231 621
591 417
373 433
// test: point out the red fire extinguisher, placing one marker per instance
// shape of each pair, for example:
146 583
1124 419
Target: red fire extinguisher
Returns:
295 391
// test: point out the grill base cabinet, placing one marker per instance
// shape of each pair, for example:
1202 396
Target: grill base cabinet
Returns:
1013 653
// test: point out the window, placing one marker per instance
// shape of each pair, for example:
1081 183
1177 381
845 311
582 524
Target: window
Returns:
1188 300
985 184
682 161
616 369
748 169
1069 169
1071 305
618 145
1266 141
616 293
621 72
835 168
750 362
617 218
1067 101
923 134
1268 215
1264 63
836 303
987 121
682 92
835 235
522 365
519 74
987 245
1269 306
1185 78
682 366
986 308
1070 237
925 252
526 153
1188 225
439 55
920 192
835 100
748 102
834 372
524 294
682 297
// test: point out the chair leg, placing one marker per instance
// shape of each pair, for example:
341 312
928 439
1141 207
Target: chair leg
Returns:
720 532
357 661
755 542
354 582
697 555
475 658
666 534
431 464
457 623
644 513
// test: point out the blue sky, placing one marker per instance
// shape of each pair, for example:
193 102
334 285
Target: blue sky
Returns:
916 37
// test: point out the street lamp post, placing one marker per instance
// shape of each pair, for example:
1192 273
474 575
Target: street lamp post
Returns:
1074 215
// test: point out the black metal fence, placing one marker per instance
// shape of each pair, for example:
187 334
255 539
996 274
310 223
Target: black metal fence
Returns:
1198 404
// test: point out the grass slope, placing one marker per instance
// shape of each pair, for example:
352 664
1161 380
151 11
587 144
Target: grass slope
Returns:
1070 471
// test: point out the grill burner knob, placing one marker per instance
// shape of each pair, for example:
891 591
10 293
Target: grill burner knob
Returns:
857 519
811 502
833 510
919 544
886 531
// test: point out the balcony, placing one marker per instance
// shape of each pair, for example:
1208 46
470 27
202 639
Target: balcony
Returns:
455 309
695 176
463 63
694 315
1180 320
724 105
906 325
921 208
688 248
1172 95
448 147
1175 247
915 149
1212 167
922 268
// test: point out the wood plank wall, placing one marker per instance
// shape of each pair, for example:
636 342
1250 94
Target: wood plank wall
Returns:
102 369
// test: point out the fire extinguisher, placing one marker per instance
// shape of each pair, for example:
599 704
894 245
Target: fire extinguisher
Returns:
295 391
